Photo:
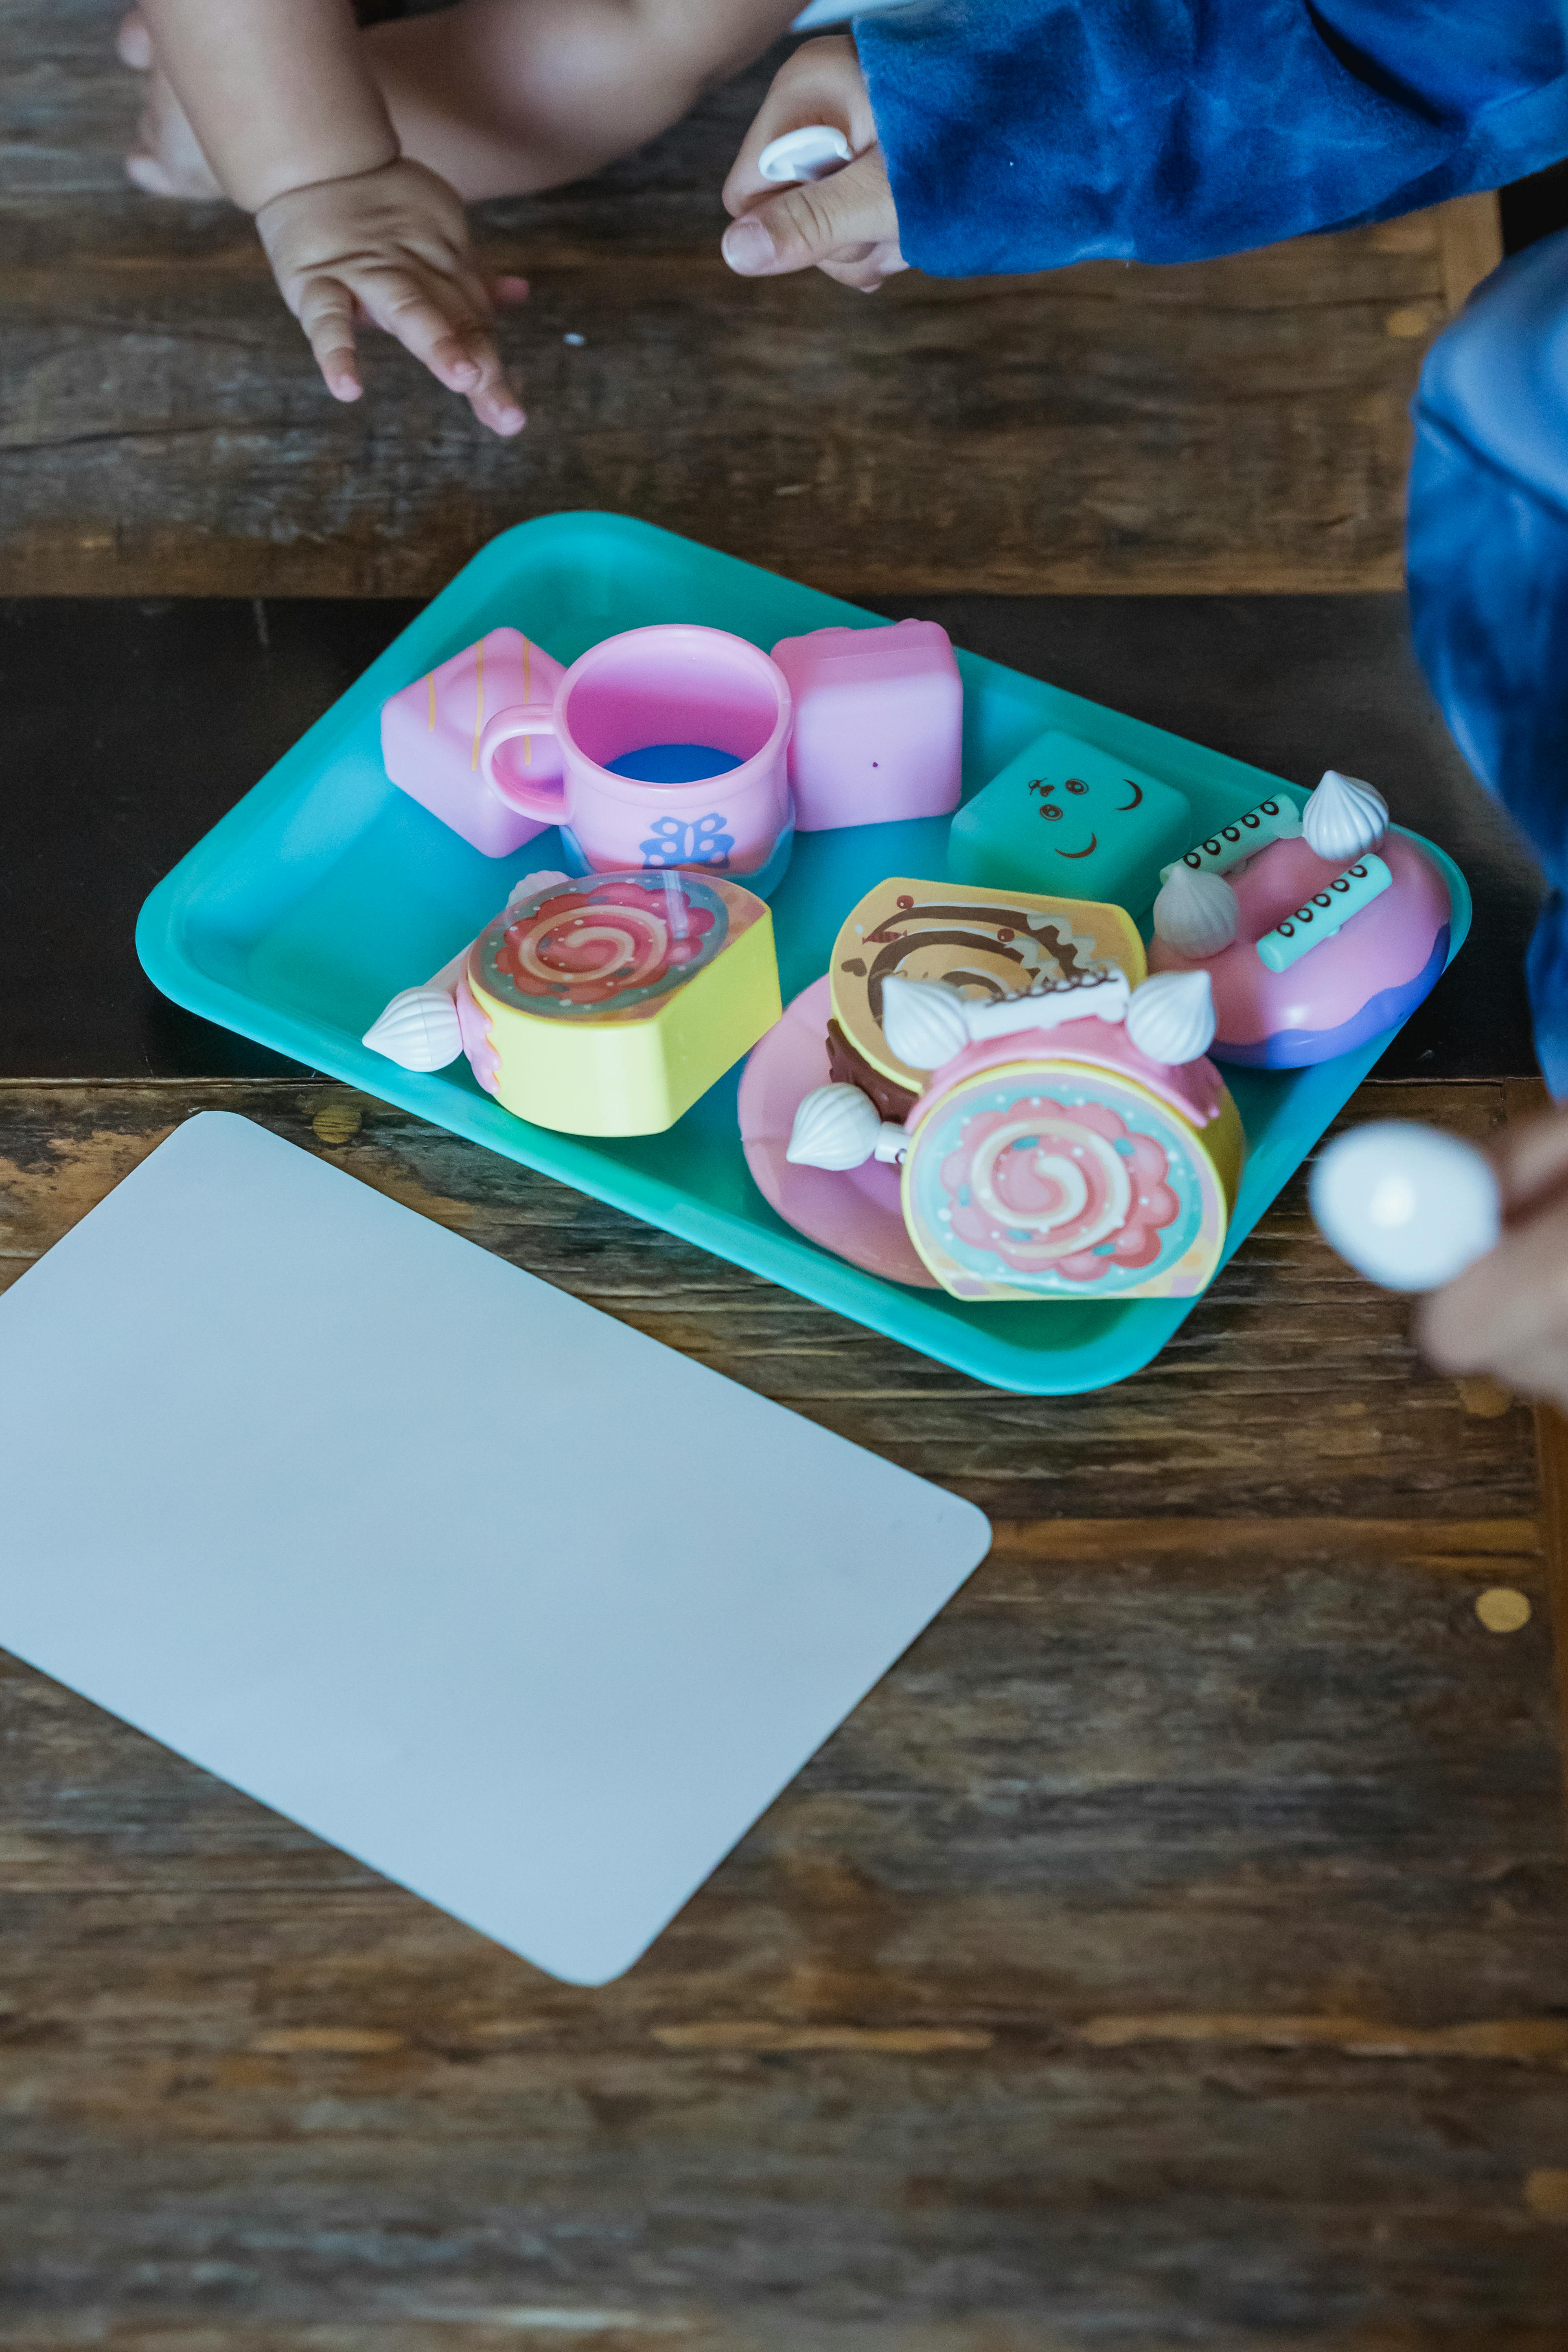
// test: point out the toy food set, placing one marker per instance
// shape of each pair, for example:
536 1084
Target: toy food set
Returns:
1064 815
1069 1134
1325 936
308 910
964 1026
840 727
603 1006
879 724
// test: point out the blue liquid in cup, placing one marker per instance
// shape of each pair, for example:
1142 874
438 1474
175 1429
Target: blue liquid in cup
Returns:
673 763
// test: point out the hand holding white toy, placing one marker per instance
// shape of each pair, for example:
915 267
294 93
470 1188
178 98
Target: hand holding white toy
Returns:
813 152
1407 1206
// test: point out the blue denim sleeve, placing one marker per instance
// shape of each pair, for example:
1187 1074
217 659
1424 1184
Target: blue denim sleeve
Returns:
1025 134
1487 560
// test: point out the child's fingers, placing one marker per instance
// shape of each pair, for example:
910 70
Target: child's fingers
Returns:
133 43
1531 1160
442 323
1508 1314
822 83
507 293
865 269
146 173
812 225
326 312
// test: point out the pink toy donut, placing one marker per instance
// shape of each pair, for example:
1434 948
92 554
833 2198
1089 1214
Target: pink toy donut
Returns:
1355 984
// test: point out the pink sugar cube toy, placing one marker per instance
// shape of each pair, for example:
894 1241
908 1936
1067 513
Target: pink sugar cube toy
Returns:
879 724
430 739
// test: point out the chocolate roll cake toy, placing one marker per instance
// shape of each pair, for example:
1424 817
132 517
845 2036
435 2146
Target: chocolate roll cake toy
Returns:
982 944
1070 1139
1318 930
600 1006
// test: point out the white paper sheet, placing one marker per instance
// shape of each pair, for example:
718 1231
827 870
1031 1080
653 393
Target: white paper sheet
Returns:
516 1605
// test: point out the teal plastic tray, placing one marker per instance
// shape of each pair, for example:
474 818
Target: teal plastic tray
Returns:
326 890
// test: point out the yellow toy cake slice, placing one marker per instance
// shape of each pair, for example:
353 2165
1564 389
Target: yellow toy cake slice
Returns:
986 944
607 1006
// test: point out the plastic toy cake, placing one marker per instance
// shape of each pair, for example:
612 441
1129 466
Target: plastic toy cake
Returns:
1068 1138
1065 815
984 944
1057 1124
602 1007
1320 935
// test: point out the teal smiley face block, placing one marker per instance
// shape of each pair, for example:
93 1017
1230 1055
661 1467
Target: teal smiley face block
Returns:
1067 820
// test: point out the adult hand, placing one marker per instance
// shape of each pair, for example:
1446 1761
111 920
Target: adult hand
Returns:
846 225
392 246
1508 1314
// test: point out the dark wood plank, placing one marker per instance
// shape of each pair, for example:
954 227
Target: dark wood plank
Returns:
1170 1949
1552 1443
1239 424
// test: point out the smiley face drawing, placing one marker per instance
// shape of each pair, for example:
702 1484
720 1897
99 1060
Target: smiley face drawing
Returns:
1067 816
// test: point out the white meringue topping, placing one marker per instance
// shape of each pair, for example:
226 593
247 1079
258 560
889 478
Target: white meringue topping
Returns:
1171 1016
837 1127
1343 818
419 1030
1196 913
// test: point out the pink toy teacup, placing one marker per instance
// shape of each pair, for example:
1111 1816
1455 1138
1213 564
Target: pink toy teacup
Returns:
673 743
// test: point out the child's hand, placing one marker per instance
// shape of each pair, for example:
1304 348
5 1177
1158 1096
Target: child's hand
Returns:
1508 1314
848 224
392 243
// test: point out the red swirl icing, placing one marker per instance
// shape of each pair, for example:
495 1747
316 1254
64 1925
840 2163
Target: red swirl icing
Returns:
1042 1185
588 946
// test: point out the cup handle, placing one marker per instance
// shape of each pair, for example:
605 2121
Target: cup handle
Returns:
548 803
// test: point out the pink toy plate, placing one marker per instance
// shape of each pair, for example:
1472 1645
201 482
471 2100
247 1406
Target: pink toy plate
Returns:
855 1212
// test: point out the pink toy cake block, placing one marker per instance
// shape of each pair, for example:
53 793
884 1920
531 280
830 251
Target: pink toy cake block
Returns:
879 724
430 737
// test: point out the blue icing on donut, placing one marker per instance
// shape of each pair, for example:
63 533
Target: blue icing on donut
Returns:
1294 1049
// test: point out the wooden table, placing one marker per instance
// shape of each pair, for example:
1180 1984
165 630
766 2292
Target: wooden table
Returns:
1236 424
1169 1950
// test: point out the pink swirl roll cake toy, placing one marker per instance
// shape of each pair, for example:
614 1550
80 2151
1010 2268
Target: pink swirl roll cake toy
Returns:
603 1006
1318 929
1070 1141
432 731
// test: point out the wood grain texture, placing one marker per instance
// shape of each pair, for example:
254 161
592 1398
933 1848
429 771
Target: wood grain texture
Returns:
1471 234
1237 425
1552 1445
1169 1950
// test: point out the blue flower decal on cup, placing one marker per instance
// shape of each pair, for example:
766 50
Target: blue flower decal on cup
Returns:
676 841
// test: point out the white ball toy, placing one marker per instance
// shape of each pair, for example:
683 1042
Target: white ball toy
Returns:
1407 1206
